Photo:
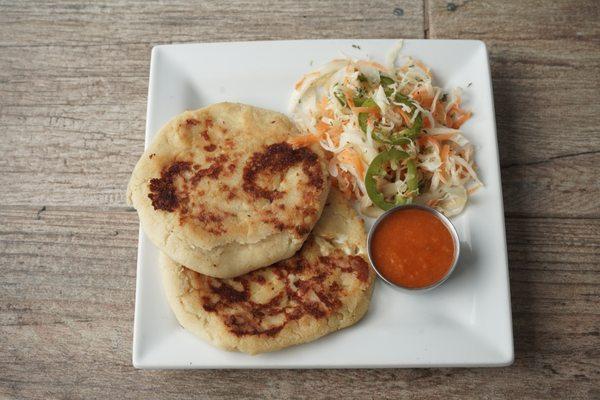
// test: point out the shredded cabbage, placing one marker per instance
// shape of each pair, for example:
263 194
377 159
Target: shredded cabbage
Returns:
351 106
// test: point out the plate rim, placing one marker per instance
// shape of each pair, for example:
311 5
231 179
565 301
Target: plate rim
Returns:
506 355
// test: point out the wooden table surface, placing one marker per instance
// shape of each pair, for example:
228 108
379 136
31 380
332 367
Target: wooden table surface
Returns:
73 85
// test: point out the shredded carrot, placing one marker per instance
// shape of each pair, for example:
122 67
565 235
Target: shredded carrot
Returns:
334 133
423 140
436 140
301 81
323 104
350 156
372 64
472 190
461 120
426 123
348 96
422 98
433 202
423 67
336 129
444 153
442 175
303 140
448 121
442 137
439 113
405 116
322 127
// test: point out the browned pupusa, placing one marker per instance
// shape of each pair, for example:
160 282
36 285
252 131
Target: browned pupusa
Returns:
325 286
221 191
308 285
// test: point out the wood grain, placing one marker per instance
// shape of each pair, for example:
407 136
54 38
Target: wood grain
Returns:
67 305
73 83
545 59
74 79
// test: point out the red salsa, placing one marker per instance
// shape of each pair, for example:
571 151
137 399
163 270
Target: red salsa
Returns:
412 248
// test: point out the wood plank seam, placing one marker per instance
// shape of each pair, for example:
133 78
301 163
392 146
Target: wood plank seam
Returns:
426 19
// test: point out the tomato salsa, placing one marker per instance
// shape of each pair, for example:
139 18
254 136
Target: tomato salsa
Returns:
412 248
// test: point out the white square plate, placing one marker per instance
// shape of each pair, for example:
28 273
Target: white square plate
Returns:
465 322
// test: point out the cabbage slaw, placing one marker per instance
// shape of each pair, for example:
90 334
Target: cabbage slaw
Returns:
358 110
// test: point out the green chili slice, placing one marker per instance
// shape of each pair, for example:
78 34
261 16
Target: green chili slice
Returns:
385 80
376 168
393 139
358 100
400 98
364 117
405 136
415 129
411 177
340 97
362 121
412 182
